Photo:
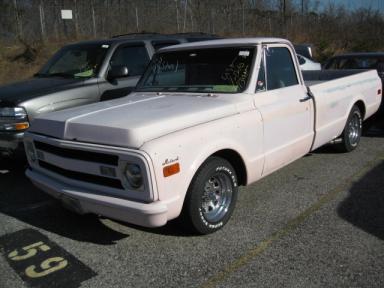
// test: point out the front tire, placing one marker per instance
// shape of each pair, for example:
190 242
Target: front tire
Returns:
211 197
350 138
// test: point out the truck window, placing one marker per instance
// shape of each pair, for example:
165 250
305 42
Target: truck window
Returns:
280 68
134 57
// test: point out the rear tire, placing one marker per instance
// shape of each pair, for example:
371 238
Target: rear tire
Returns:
350 138
211 197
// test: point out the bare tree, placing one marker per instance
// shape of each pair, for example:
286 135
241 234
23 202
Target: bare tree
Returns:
332 28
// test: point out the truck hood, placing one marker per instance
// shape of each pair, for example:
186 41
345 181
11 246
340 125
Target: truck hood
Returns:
133 120
13 94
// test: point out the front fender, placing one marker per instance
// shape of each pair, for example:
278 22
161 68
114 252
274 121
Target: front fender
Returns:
191 147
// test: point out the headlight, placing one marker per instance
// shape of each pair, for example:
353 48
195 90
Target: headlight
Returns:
16 112
14 126
133 176
13 119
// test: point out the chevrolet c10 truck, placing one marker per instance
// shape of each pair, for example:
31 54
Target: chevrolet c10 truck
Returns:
204 119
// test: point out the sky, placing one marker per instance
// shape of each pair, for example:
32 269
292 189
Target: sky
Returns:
356 4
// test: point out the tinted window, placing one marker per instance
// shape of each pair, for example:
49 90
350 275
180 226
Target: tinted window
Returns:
160 44
76 61
354 63
280 68
134 57
332 64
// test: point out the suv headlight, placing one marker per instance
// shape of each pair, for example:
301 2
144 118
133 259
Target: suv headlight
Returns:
16 112
133 176
13 119
14 126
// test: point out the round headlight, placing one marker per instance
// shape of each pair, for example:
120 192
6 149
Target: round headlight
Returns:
133 175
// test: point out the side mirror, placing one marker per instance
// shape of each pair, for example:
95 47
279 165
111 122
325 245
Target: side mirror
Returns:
117 72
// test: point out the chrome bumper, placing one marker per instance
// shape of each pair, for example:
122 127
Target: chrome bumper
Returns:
84 201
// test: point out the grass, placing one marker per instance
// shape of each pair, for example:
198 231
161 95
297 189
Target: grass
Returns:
18 69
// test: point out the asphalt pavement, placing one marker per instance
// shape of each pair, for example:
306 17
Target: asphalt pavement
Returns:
319 222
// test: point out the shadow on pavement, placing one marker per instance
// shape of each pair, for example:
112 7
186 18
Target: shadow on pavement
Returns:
376 131
23 201
376 128
364 206
15 188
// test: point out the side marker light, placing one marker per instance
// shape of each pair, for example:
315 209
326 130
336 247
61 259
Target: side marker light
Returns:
171 169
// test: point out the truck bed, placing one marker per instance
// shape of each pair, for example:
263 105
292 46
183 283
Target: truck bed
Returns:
334 92
320 76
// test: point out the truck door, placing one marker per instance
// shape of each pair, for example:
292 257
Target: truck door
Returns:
286 109
135 57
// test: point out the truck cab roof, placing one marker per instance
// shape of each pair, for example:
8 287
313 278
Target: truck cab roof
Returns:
229 42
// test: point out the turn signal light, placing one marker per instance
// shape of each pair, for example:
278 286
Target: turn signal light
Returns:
171 169
21 126
14 126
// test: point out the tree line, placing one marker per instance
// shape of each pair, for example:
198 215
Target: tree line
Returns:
330 27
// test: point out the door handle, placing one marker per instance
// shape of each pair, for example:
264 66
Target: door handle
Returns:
305 98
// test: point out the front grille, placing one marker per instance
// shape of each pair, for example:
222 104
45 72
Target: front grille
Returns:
100 180
78 154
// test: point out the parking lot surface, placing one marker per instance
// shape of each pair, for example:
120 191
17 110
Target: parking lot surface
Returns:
318 222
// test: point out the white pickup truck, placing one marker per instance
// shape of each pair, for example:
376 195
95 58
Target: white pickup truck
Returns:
205 118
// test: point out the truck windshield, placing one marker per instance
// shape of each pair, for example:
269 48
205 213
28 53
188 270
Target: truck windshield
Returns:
223 70
80 61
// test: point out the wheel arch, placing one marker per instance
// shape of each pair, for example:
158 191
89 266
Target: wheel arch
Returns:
232 155
361 105
237 162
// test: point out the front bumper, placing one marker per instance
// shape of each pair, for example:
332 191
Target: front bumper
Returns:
82 201
11 141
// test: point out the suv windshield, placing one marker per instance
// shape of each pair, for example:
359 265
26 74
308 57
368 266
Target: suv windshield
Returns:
224 70
76 61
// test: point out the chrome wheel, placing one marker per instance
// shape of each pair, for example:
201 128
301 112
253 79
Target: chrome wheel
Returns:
354 129
217 197
211 196
350 137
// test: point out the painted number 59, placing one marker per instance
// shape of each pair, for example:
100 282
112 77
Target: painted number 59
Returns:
46 267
